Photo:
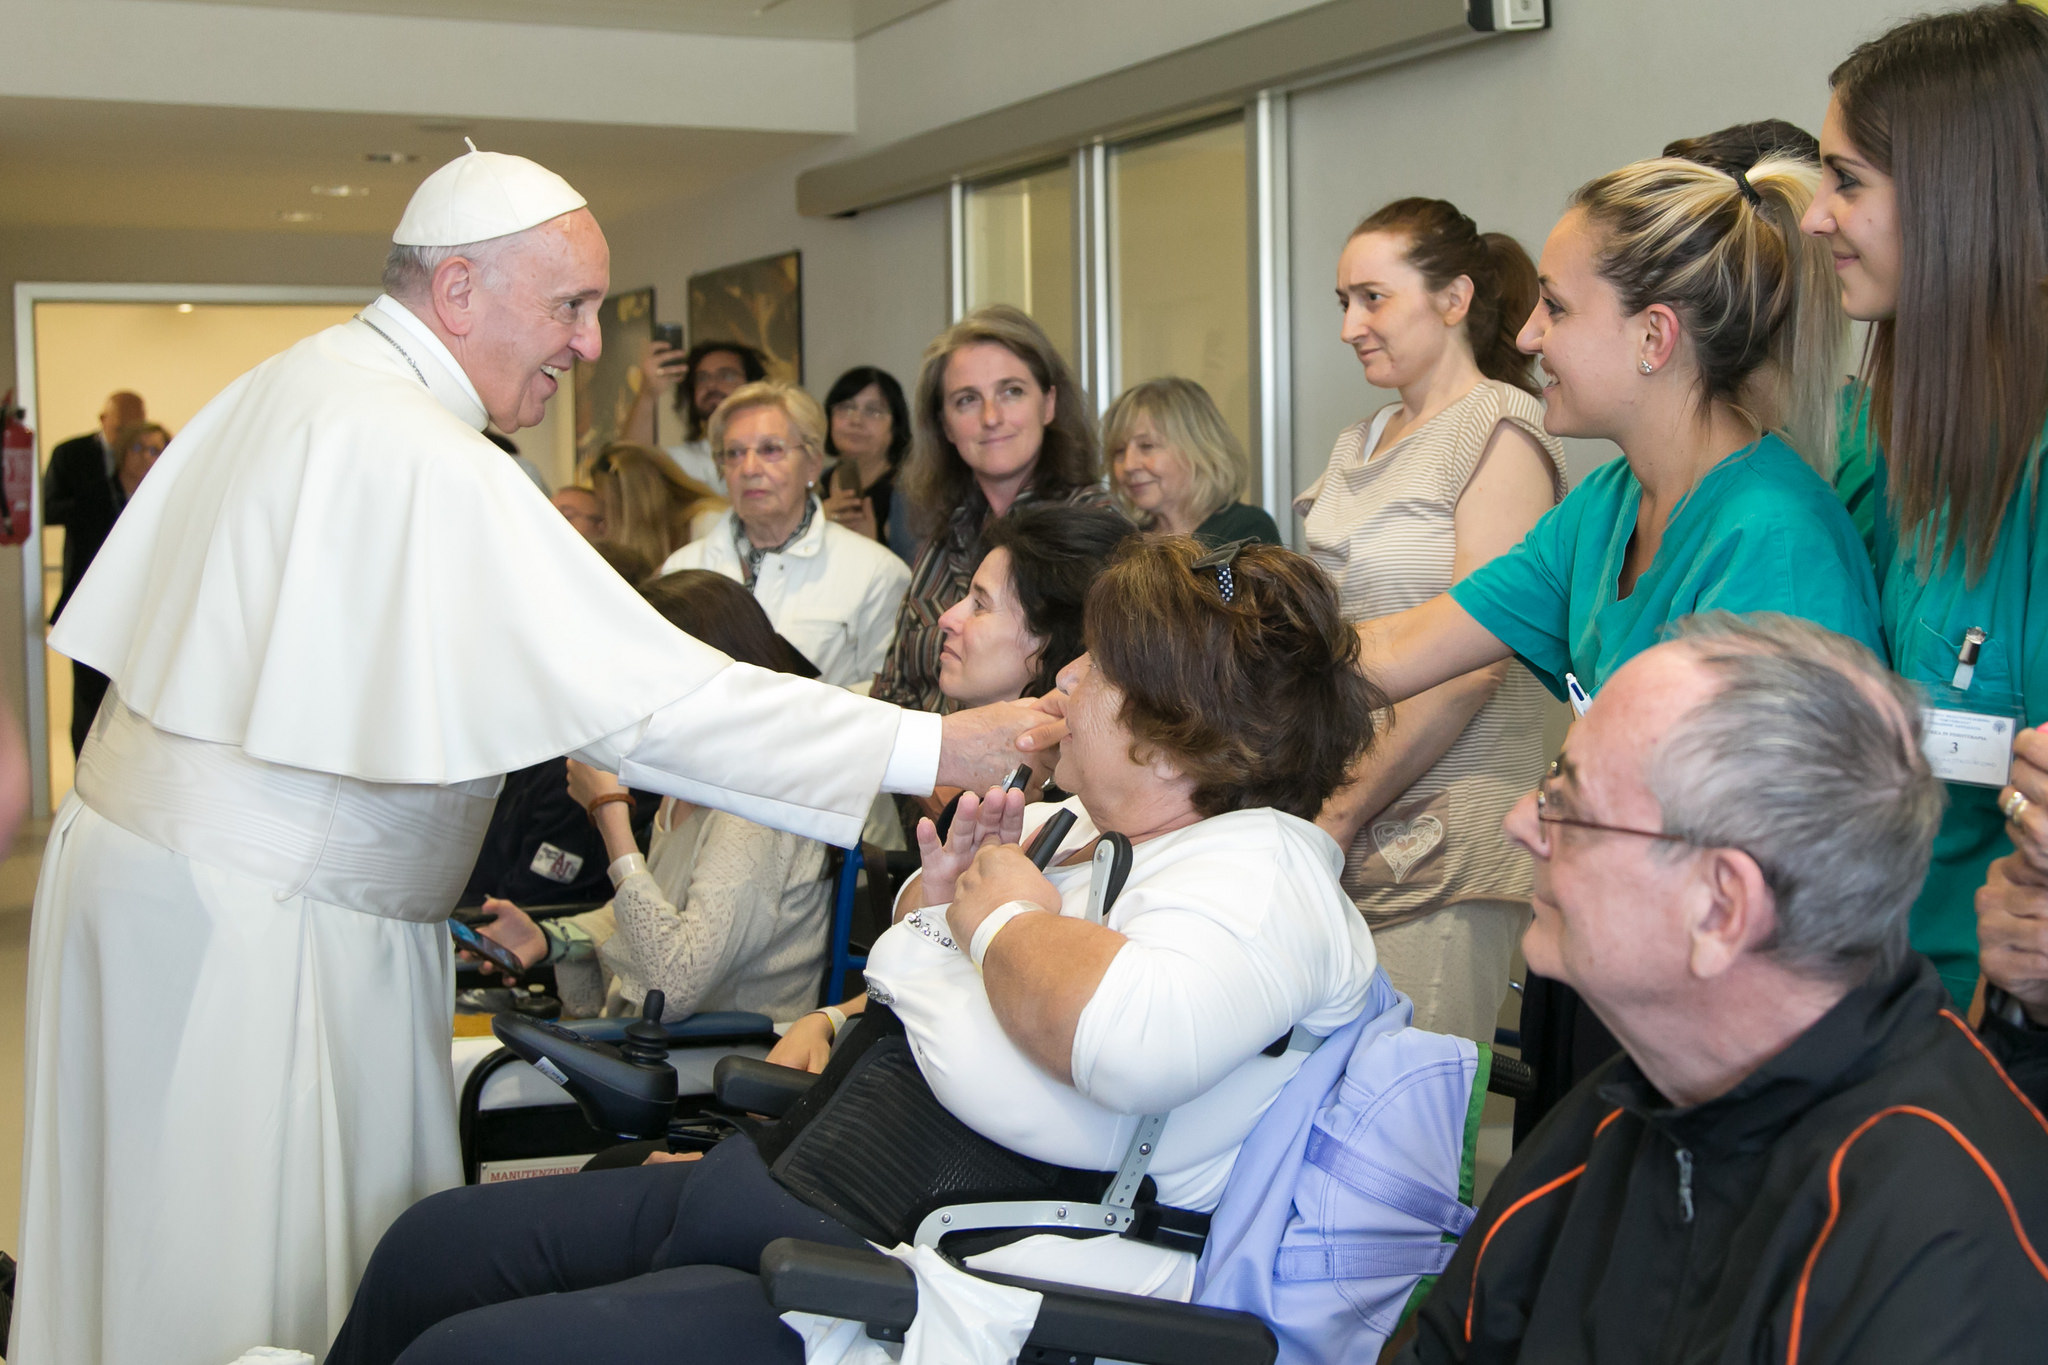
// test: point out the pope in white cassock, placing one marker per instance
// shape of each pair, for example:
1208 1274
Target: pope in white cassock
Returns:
333 617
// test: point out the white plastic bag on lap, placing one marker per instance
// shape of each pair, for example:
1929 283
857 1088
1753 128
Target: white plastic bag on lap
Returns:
961 1320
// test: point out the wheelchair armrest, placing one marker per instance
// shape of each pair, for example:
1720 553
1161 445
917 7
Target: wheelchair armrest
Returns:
710 1026
1512 1077
866 1286
757 1087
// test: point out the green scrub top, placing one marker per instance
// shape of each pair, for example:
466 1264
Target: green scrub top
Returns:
1854 467
1761 532
1926 611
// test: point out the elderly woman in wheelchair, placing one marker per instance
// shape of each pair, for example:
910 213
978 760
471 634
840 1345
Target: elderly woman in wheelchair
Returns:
1084 1034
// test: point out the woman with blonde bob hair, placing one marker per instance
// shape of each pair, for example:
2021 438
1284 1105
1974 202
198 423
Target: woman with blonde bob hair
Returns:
1684 316
1175 465
830 591
998 420
650 506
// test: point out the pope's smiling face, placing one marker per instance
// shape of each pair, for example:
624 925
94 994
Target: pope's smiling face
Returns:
531 313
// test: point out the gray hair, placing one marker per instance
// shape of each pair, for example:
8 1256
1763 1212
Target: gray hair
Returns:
1808 759
409 270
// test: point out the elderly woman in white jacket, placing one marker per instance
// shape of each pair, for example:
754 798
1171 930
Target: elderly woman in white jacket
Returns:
830 592
1219 705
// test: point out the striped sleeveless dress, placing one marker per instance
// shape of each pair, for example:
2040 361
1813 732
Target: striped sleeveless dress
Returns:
1383 530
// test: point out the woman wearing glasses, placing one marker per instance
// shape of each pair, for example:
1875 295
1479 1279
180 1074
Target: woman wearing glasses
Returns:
869 434
830 592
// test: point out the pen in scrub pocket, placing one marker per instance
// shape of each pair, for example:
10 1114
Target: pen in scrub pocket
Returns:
1577 694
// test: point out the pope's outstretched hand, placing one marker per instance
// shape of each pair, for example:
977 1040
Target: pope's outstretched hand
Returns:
1050 727
979 747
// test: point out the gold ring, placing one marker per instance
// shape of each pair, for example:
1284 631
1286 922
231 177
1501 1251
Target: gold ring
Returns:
2015 805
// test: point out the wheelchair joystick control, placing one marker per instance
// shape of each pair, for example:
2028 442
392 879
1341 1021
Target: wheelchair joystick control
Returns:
628 1088
645 1042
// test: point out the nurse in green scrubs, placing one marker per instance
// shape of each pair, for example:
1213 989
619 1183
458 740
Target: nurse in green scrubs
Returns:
1680 319
1704 512
1945 257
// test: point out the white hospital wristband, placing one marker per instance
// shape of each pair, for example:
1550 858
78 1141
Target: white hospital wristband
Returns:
622 868
985 932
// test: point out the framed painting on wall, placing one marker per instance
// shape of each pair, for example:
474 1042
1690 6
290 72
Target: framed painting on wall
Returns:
606 387
760 303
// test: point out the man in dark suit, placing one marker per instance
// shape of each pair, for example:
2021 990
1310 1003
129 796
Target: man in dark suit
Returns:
82 494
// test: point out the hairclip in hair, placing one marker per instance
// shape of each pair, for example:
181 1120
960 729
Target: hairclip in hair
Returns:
1748 190
1219 559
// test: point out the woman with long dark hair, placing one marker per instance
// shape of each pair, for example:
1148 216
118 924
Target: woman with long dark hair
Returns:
1934 203
868 434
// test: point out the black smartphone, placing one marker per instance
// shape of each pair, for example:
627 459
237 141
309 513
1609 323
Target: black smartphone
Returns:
669 334
484 946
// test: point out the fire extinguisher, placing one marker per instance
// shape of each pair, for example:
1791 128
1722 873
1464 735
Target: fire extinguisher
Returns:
17 472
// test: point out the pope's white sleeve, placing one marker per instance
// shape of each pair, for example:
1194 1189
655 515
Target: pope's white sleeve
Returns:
776 749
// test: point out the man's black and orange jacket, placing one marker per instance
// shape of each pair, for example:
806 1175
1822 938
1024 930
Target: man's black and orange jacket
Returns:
1876 1192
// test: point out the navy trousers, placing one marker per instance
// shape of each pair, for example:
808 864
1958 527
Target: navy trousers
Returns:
652 1265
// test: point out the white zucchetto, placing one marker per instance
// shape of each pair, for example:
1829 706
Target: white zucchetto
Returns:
481 195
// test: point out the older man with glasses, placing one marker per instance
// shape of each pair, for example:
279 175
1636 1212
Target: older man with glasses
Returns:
1803 1154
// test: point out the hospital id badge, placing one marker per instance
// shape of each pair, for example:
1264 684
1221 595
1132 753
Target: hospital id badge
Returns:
1972 747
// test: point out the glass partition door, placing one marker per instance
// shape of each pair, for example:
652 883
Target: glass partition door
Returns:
1019 248
1179 274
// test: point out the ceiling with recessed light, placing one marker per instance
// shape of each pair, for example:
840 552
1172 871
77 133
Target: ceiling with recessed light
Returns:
89 163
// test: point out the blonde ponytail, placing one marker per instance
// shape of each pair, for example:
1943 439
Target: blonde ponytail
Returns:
1805 369
1755 295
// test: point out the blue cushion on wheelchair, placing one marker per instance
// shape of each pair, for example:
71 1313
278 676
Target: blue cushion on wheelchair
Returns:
710 1024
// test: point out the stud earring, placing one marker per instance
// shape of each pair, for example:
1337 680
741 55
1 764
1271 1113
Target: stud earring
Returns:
1648 368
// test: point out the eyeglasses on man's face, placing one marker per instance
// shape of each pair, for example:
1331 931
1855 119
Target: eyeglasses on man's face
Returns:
1547 811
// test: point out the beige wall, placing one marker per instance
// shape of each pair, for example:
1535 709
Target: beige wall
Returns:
874 285
966 57
1508 129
